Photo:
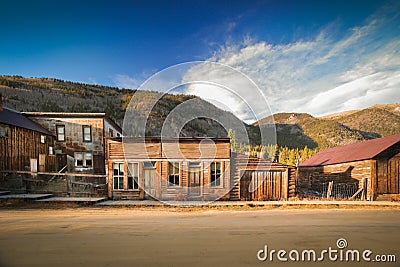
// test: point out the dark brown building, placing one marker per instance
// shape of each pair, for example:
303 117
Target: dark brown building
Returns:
24 145
376 160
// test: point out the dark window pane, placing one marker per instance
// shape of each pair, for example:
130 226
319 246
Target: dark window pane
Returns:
115 183
130 183
121 182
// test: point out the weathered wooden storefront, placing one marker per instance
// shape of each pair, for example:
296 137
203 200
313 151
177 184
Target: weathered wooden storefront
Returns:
169 169
192 169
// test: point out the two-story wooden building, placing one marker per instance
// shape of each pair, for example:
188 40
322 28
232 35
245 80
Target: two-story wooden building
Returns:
80 138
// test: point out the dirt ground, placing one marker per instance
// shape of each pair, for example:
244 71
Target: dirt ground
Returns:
171 237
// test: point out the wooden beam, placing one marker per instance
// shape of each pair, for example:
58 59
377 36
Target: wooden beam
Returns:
56 174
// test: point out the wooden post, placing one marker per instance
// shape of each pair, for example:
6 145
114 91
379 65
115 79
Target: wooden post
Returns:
364 188
374 179
67 185
329 191
285 185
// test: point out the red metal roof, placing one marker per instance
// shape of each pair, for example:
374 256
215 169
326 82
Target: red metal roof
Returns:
15 118
353 152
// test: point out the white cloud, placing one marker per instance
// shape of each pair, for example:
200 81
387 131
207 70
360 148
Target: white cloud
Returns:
366 91
325 74
228 89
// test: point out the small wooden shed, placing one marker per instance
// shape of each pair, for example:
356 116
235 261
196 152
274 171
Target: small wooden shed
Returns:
259 179
377 160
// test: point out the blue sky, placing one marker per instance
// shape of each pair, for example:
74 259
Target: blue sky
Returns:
300 53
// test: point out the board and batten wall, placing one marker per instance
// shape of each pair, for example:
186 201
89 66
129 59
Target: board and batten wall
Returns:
259 179
387 174
18 146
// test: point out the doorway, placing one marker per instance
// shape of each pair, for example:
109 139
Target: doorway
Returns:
194 179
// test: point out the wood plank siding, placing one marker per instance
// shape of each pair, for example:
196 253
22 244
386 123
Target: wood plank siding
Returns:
258 179
388 172
192 156
18 146
376 160
382 174
195 158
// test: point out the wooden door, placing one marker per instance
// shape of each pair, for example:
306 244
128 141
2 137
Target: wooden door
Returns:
42 162
244 185
149 183
393 175
194 181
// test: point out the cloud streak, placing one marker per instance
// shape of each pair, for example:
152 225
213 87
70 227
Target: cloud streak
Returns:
325 74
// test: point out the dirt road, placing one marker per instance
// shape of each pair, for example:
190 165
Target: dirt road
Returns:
128 237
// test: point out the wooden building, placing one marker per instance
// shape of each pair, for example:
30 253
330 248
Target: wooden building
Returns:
24 145
376 160
169 169
192 169
80 139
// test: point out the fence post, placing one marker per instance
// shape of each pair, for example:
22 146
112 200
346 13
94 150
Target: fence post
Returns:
329 191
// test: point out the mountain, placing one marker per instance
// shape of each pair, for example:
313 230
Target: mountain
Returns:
375 121
54 95
301 129
294 130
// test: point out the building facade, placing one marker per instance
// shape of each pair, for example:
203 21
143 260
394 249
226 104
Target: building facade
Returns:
80 139
192 169
171 169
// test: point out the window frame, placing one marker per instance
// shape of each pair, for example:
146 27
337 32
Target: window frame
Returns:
85 158
174 174
118 176
134 177
84 134
215 176
60 126
110 133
